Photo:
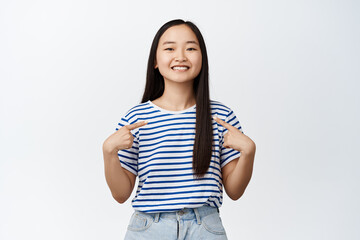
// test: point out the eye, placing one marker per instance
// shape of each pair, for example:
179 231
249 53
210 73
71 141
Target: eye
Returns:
169 49
192 49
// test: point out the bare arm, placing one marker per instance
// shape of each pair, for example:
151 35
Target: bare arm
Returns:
237 174
120 181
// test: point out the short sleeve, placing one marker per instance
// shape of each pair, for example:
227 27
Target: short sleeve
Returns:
229 154
129 157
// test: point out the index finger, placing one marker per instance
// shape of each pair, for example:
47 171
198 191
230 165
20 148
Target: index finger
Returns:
136 125
223 123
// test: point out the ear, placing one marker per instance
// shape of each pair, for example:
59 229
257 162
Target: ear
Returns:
156 66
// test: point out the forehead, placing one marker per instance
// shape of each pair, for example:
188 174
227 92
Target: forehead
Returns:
178 33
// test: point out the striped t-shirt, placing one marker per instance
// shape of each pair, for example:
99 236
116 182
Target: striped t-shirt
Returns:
161 157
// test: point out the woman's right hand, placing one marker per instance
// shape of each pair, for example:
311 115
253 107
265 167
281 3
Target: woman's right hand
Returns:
122 138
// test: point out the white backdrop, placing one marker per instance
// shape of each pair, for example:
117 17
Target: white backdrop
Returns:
289 69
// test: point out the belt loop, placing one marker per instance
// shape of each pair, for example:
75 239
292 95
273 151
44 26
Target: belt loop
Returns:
157 215
197 216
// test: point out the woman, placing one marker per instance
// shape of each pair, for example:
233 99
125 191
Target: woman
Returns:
177 147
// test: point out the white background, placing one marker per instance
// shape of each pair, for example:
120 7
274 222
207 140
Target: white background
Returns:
289 69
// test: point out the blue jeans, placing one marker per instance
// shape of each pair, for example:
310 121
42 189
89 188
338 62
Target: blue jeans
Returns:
188 223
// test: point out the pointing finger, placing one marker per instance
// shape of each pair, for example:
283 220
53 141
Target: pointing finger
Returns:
136 125
223 123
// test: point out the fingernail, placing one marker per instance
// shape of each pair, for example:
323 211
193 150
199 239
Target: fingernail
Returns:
146 121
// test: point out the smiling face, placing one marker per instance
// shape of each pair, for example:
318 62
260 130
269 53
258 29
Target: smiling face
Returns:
178 55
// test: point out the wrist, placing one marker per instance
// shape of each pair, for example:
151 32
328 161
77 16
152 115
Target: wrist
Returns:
248 152
108 150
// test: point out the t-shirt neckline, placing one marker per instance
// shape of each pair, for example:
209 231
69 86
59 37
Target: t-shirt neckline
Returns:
168 111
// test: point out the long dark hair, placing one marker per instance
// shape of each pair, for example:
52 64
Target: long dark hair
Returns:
155 86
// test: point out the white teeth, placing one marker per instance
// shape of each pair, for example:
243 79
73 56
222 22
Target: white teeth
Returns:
180 68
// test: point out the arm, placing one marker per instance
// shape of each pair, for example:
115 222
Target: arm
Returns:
120 181
236 174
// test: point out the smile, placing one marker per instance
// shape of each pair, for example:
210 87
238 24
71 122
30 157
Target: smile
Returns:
180 69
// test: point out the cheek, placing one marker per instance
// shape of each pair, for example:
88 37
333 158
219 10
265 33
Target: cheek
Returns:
197 59
162 59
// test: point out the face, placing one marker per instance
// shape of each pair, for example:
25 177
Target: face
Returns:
178 55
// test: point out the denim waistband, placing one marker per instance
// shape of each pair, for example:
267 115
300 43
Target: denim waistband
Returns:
185 213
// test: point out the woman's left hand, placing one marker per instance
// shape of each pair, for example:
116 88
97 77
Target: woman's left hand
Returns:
235 139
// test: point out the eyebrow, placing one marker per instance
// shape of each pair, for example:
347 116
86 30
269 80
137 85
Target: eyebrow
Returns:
171 42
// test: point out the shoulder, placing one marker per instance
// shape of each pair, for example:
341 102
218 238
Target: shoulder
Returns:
218 104
132 113
220 109
225 113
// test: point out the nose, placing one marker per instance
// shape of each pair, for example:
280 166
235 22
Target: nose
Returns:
181 59
180 56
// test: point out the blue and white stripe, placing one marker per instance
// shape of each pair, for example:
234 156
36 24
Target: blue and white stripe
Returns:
161 156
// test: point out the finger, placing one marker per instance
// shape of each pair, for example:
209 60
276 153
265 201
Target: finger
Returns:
136 125
223 123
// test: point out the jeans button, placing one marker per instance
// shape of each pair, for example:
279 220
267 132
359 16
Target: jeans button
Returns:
181 212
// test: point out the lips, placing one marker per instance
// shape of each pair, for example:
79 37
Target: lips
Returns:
182 67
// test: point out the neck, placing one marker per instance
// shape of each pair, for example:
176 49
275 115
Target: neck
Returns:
177 96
